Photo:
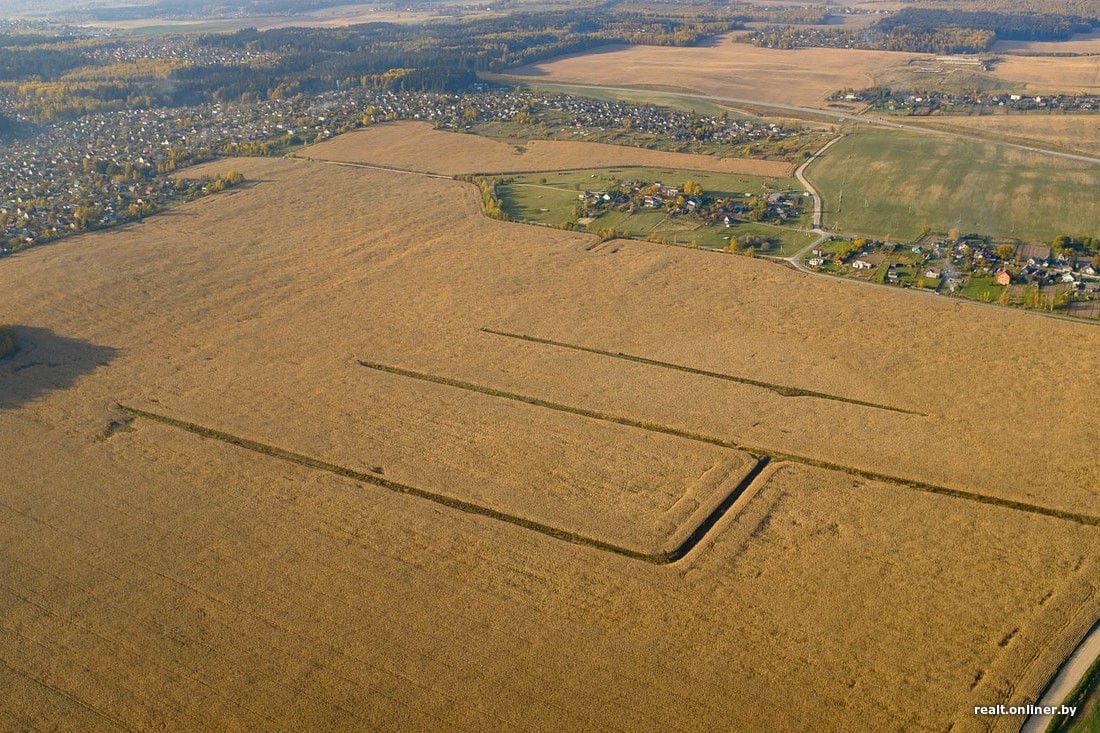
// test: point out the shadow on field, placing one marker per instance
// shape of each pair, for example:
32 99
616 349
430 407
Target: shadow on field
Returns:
43 361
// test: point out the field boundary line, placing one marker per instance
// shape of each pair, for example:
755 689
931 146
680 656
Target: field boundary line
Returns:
665 557
779 389
760 453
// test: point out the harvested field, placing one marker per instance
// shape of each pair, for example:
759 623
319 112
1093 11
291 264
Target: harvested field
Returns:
154 577
1078 133
804 76
404 145
1080 43
1051 74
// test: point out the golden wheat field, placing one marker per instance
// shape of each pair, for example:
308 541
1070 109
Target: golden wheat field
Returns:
1065 74
1079 133
804 76
417 146
1079 43
265 470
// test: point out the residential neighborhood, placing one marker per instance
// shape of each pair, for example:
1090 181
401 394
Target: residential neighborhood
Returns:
688 199
111 167
1008 272
919 103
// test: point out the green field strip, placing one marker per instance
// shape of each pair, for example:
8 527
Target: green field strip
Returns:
779 389
656 558
760 453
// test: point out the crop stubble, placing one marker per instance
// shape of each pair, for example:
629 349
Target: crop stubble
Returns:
264 590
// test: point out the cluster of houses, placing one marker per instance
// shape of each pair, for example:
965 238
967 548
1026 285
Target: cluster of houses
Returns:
180 49
689 199
669 123
110 162
949 265
968 103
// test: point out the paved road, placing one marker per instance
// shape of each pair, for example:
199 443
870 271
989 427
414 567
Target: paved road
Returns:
823 112
1069 676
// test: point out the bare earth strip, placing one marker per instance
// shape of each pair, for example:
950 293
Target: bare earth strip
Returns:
151 578
404 145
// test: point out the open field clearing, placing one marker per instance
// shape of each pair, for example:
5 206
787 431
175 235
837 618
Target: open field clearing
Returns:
1080 43
153 577
1078 133
1051 74
417 146
879 183
805 76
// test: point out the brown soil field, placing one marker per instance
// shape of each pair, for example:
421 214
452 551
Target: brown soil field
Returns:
1080 43
1051 74
156 578
804 77
418 146
1079 133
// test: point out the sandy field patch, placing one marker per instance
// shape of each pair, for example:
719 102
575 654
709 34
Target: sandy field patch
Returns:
417 146
804 77
155 578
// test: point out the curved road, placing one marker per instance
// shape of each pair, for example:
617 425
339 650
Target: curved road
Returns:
819 206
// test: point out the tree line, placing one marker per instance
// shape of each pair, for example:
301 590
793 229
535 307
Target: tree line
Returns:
1006 26
933 30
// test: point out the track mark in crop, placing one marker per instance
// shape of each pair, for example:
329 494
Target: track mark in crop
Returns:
779 389
656 558
759 453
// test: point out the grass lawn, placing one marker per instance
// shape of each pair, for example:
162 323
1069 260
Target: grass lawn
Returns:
880 183
635 225
538 203
1087 702
982 288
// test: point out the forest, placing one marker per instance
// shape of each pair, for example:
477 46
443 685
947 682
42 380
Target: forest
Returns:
1006 26
931 30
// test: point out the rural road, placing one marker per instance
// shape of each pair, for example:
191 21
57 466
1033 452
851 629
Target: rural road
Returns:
1069 676
819 207
821 112
819 203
